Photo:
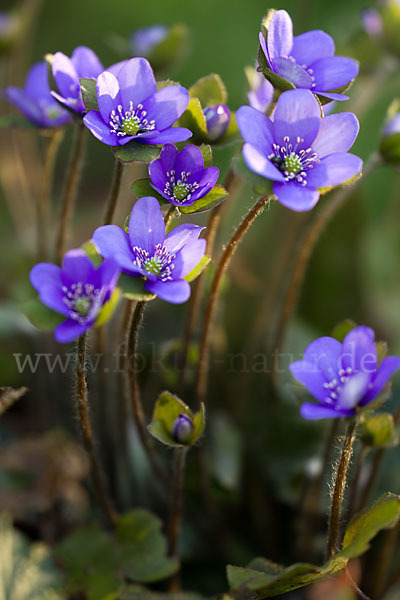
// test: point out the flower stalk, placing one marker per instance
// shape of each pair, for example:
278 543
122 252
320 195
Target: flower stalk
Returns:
114 193
338 491
42 212
203 365
136 403
71 188
87 433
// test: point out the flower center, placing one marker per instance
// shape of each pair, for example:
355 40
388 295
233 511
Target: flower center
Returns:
292 162
160 264
180 189
130 122
80 298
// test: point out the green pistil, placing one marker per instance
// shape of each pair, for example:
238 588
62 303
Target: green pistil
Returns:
180 190
292 163
152 266
82 306
131 125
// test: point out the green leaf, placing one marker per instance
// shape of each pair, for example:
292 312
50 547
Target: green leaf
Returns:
199 268
262 185
142 188
133 288
193 118
166 83
168 408
136 152
27 571
207 202
210 90
207 155
107 310
91 250
40 315
263 579
89 94
383 514
171 49
99 562
144 549
342 329
377 430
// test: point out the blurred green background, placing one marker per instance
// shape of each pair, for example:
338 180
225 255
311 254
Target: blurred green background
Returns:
354 272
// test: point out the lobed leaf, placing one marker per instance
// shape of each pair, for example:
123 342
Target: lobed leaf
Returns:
89 93
40 315
207 202
133 288
136 152
210 90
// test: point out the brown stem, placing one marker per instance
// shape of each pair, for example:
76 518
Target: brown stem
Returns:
71 188
169 215
308 243
136 402
175 516
340 483
114 193
87 432
42 212
203 365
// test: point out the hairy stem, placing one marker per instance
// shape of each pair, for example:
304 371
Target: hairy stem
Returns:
136 403
203 365
175 516
71 188
308 243
340 483
114 193
43 205
87 432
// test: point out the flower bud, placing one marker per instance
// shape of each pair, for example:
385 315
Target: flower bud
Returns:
143 41
217 120
390 141
182 429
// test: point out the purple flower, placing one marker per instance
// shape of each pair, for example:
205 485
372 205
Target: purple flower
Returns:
143 41
306 60
182 429
217 120
342 377
261 92
67 72
131 108
78 290
300 151
35 100
147 252
180 176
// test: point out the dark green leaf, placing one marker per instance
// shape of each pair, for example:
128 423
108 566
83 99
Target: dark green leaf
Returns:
390 148
136 152
89 94
207 202
210 90
40 316
342 329
264 579
142 188
133 288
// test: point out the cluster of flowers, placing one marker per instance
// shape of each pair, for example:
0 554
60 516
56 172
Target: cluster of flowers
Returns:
302 151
